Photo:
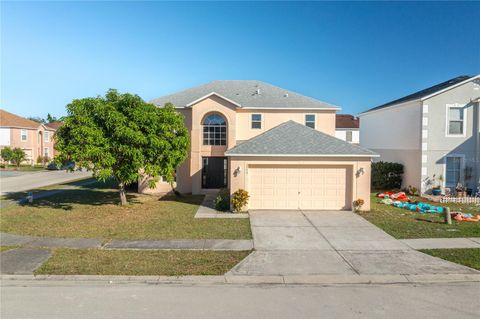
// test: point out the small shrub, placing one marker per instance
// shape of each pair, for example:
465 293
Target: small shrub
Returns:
412 190
222 201
239 200
386 175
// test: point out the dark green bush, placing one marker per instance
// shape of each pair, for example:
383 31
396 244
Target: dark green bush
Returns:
222 201
387 175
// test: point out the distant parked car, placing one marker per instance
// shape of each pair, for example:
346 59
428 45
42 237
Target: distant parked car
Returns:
56 167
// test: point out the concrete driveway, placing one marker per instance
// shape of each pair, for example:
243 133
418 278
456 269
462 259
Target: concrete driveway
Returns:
331 242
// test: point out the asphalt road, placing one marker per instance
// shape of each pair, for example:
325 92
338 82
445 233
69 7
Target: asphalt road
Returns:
94 300
34 180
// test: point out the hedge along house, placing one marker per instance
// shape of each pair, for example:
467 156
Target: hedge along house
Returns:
276 144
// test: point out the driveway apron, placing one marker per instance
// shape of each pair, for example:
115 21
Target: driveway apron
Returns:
331 243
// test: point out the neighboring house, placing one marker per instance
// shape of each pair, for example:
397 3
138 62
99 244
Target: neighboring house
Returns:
34 138
432 132
347 128
276 144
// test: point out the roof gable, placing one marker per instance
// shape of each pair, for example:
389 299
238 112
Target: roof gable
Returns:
294 139
245 94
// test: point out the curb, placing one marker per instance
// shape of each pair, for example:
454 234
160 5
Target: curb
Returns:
255 280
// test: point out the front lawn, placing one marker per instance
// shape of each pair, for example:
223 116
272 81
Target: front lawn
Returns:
92 211
469 257
140 263
401 223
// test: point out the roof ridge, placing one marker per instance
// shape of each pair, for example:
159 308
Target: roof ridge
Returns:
425 92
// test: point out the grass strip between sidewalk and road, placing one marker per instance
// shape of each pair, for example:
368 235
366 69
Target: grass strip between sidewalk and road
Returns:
140 262
469 257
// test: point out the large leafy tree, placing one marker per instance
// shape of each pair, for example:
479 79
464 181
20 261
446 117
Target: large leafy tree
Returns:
122 136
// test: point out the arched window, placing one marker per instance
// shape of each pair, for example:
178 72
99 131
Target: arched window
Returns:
214 130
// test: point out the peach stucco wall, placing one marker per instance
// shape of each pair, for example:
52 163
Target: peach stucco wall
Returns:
325 121
188 179
359 186
34 145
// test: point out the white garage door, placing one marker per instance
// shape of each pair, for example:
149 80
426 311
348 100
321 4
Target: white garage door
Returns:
299 187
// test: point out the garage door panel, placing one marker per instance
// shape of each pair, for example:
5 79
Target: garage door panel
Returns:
293 187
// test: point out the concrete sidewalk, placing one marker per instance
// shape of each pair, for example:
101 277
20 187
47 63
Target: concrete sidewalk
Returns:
83 243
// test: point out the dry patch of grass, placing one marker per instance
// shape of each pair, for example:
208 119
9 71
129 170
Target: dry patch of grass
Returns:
140 263
93 212
5 248
469 257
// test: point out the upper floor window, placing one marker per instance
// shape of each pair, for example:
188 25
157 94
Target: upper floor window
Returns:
310 120
46 136
214 130
256 121
455 120
23 135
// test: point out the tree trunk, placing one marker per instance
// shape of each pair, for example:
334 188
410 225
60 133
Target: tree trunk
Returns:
123 196
177 193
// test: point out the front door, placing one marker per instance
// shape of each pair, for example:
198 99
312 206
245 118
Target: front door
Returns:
214 172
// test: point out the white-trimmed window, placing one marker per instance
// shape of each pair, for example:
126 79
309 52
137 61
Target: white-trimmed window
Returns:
214 130
46 136
23 135
349 136
453 170
456 120
46 152
256 121
310 120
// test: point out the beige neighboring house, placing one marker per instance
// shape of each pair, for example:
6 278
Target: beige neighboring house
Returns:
278 145
32 137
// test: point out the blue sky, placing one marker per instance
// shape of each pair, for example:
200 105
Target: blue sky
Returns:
356 55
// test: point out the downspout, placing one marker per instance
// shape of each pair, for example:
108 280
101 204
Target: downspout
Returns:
476 136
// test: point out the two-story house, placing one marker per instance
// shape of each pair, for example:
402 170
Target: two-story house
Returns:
433 132
34 138
278 145
347 128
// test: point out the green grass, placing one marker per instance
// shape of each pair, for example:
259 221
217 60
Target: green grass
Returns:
93 212
469 257
5 248
138 263
401 223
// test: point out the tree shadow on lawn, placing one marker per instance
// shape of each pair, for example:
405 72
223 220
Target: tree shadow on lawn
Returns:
84 196
185 199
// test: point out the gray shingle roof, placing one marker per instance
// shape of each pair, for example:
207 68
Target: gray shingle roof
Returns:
423 93
244 93
292 138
